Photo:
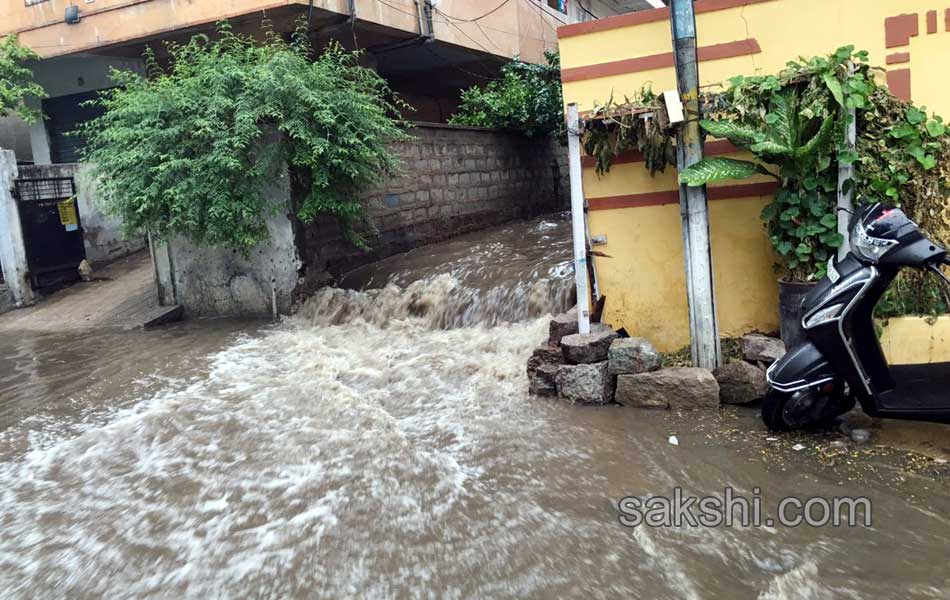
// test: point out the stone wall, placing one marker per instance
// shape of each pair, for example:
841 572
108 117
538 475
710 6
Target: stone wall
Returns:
102 234
13 263
214 281
455 179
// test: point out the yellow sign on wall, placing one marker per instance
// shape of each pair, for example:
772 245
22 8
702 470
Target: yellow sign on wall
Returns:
67 214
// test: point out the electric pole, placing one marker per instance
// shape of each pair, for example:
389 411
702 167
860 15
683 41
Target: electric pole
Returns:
694 210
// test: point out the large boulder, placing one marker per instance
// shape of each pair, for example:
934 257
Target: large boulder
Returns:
762 348
581 348
542 370
562 325
679 388
740 383
585 384
627 356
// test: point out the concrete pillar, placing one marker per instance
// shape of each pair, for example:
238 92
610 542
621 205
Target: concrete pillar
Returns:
39 138
12 245
164 271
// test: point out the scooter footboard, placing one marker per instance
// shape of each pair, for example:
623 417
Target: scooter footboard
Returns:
803 366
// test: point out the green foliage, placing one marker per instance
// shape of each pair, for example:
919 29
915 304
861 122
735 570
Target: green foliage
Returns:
527 98
903 156
16 79
192 149
614 128
718 168
795 121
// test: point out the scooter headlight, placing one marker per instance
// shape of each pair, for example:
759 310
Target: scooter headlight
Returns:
829 313
868 247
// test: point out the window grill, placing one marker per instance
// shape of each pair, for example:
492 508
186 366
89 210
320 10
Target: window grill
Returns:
49 188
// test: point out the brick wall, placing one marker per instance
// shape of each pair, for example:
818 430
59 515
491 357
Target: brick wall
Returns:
455 179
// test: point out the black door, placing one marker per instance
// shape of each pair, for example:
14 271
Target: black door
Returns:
63 115
52 231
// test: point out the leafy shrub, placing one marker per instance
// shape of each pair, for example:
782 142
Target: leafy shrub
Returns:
190 149
795 121
16 79
527 98
904 158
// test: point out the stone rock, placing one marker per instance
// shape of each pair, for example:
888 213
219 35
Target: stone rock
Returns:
860 436
680 388
740 383
632 355
586 384
85 270
562 325
542 381
542 370
582 348
758 347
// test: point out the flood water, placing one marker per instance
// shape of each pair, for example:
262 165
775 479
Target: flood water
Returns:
382 444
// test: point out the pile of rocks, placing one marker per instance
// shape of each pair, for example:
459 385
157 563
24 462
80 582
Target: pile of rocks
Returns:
601 367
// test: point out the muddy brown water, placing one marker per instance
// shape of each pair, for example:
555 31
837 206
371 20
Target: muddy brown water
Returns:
382 444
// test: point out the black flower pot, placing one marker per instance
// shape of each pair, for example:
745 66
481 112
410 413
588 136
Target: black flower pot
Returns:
790 297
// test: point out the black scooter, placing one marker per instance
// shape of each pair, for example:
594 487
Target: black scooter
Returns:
841 361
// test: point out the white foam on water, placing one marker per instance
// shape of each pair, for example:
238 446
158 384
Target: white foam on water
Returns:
308 458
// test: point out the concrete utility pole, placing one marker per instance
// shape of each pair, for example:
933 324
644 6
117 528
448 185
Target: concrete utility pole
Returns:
703 328
845 174
578 219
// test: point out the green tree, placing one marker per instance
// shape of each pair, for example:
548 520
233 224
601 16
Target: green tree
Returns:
527 98
16 79
191 148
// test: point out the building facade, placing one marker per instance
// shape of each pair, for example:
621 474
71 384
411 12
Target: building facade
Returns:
427 49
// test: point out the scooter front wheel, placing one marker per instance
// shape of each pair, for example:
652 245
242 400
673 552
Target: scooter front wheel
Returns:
773 410
803 409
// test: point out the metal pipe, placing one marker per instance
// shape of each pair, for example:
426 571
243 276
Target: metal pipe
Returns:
578 219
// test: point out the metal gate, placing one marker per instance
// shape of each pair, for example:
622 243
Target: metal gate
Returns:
52 230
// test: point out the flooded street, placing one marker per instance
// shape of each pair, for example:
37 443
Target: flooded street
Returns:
382 444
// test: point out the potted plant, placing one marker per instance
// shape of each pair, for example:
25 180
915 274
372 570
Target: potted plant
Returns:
789 123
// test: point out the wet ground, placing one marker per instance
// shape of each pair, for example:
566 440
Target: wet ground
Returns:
121 295
382 444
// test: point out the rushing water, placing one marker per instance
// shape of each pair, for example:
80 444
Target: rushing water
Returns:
382 444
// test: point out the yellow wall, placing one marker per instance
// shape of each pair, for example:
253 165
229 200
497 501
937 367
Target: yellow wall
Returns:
916 340
644 279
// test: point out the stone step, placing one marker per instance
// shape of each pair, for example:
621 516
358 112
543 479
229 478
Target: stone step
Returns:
163 315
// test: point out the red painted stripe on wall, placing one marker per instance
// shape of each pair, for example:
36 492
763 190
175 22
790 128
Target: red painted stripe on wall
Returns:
658 61
645 16
931 21
898 81
899 29
633 156
897 57
746 190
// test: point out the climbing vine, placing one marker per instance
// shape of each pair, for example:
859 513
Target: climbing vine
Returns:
639 123
192 149
16 79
